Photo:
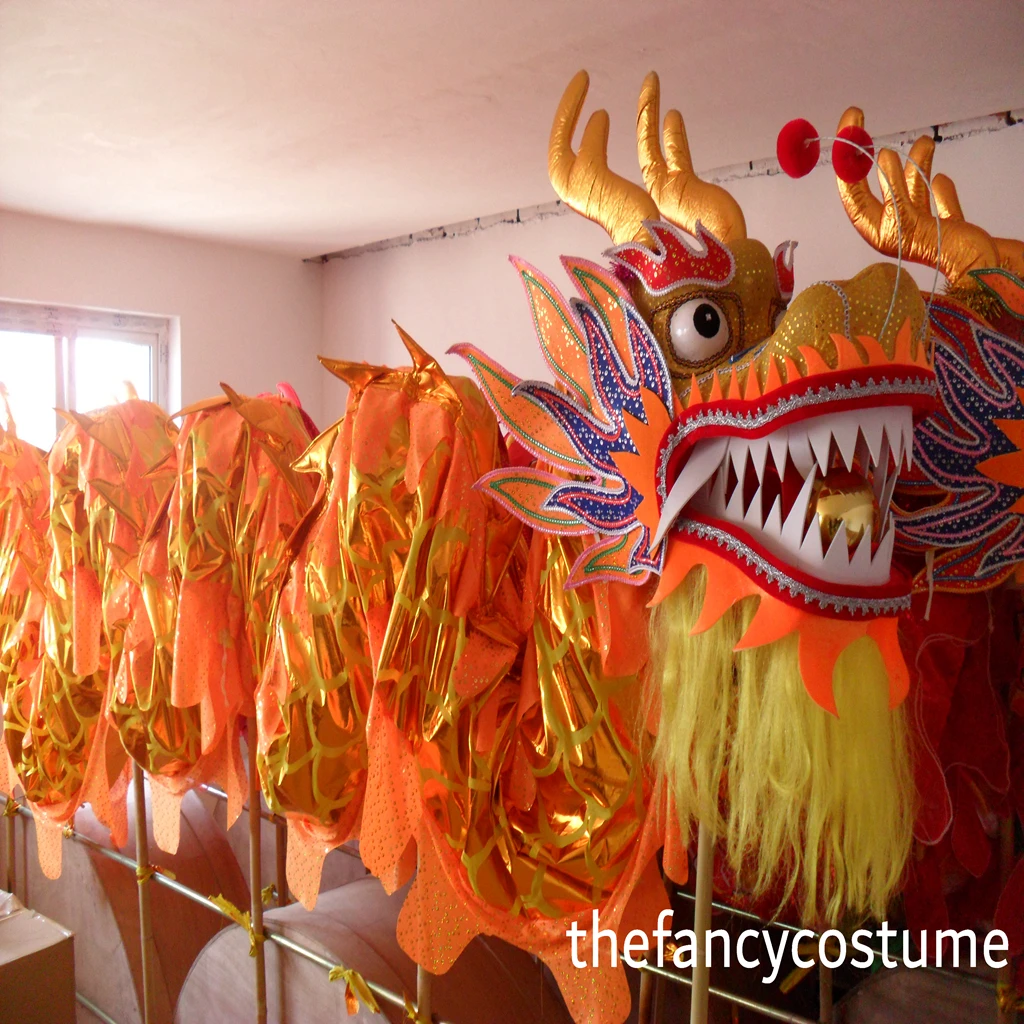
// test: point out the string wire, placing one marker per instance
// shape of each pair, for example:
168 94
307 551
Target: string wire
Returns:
870 154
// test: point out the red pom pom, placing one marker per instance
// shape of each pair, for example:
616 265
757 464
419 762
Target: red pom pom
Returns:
798 147
849 163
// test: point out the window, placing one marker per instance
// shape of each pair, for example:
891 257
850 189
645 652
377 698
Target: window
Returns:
52 357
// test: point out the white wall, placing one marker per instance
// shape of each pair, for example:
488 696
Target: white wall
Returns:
463 289
252 319
248 318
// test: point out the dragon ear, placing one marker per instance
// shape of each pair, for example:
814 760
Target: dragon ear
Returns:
524 419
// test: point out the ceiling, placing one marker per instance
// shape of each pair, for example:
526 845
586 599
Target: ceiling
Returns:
311 126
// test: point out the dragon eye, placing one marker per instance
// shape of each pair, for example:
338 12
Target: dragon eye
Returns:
698 330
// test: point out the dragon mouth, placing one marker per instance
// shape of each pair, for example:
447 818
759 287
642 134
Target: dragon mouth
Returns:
795 481
812 497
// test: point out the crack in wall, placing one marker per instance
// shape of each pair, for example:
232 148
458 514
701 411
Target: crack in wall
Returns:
952 131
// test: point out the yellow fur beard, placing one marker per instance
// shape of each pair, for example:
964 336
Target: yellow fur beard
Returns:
809 805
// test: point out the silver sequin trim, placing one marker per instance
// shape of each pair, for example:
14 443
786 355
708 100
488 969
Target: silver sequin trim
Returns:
762 567
815 396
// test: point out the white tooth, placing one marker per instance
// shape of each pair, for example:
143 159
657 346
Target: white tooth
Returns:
894 435
753 516
908 437
845 434
758 449
738 454
820 436
800 451
886 495
837 558
883 556
779 442
872 431
734 510
860 564
718 494
793 531
773 524
863 454
810 550
881 474
704 460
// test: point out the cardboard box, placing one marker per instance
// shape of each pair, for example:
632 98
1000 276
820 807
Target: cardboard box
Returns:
37 967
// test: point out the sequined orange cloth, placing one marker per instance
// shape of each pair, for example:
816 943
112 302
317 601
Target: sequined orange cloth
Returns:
24 558
55 727
204 594
431 672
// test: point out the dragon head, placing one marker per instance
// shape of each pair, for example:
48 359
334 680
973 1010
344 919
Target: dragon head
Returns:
701 415
742 445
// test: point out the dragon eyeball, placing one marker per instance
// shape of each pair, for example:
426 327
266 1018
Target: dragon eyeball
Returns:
698 330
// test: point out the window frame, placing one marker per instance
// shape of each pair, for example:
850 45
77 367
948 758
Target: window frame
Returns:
64 324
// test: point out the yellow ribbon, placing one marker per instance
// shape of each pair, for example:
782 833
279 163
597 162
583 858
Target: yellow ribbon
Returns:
11 807
412 1012
810 950
144 872
241 917
1007 999
356 989
68 832
268 894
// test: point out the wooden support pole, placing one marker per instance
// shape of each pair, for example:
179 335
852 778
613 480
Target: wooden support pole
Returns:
9 820
424 991
142 875
1004 976
825 1015
256 875
424 984
659 998
644 1014
701 925
281 857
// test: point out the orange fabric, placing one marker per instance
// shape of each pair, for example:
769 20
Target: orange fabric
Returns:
822 639
199 609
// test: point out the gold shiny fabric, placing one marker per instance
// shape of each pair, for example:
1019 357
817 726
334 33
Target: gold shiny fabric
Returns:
536 809
204 595
315 691
24 558
431 674
55 727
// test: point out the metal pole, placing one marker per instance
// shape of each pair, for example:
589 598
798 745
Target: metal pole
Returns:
255 876
94 1009
142 875
763 1009
380 991
702 924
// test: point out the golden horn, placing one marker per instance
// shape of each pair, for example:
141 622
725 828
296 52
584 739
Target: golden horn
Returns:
964 247
583 180
680 194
